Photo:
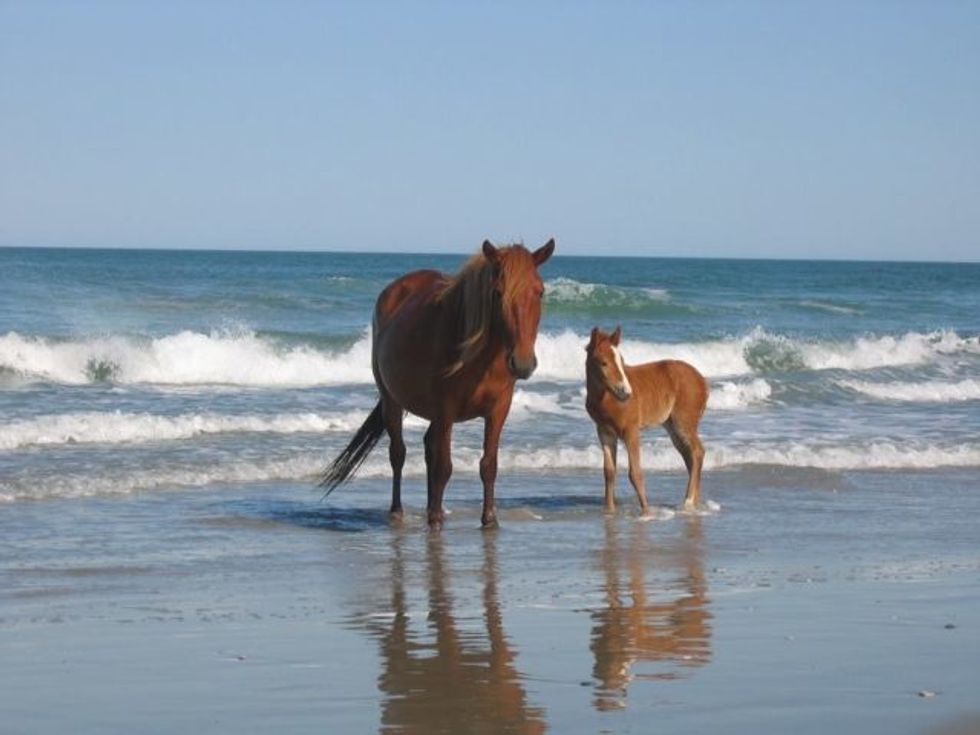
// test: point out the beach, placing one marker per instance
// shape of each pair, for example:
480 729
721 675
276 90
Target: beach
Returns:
803 603
167 561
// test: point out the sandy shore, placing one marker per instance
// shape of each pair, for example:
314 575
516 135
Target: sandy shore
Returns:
810 603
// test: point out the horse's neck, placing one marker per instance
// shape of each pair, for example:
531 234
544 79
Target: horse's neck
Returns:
595 386
456 330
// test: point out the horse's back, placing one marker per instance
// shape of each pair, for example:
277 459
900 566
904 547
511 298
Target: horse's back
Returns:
406 350
417 286
671 388
689 386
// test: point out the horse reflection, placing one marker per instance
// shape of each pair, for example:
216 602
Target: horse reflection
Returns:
656 631
453 675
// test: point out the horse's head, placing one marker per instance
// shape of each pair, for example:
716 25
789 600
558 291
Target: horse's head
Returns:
604 364
517 295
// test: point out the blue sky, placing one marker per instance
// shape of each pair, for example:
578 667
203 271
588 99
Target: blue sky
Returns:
745 129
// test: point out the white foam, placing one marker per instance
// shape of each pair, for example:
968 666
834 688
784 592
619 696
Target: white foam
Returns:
562 356
118 427
658 456
657 513
186 358
729 395
874 352
704 508
918 392
526 403
245 359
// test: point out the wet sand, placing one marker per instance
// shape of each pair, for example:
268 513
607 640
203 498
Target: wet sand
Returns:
812 602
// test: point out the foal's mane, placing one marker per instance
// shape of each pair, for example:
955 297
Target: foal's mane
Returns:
470 295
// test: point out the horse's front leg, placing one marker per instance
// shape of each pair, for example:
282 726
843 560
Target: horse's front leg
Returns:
492 427
439 468
609 442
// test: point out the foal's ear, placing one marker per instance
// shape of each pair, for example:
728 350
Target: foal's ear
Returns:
544 252
490 252
615 336
593 339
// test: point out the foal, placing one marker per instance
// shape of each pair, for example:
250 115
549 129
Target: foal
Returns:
623 399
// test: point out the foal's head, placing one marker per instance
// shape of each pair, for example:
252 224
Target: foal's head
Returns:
517 291
604 364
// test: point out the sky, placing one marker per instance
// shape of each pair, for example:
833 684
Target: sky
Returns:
714 129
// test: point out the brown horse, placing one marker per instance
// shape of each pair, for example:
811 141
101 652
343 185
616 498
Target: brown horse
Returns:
624 399
450 349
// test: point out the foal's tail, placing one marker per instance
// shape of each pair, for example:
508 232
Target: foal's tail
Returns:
353 456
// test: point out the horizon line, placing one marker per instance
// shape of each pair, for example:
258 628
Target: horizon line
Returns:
307 251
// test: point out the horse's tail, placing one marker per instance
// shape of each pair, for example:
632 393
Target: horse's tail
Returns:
353 456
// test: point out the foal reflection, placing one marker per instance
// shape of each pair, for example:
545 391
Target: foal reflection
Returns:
655 631
450 673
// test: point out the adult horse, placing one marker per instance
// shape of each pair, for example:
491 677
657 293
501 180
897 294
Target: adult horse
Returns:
448 349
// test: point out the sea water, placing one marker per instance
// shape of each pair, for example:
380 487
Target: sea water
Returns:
167 562
126 371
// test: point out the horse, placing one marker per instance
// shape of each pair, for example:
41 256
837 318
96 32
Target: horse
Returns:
449 349
624 399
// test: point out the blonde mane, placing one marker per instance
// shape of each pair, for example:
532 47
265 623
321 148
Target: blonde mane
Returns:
471 292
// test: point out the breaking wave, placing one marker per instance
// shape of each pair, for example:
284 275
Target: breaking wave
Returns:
185 358
118 427
248 359
929 391
569 295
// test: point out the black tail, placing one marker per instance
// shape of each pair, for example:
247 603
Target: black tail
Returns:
343 468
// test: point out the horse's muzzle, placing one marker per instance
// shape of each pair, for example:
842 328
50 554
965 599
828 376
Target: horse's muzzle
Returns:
521 369
622 394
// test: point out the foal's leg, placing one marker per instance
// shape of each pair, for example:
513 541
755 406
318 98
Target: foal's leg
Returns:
393 415
492 427
636 469
609 442
439 468
689 445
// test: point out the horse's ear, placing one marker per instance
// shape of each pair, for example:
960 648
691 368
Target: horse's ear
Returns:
544 252
592 339
615 336
490 252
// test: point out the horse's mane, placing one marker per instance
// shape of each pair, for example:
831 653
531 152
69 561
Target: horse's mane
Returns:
470 294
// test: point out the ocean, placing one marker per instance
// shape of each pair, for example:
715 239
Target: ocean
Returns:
127 371
168 564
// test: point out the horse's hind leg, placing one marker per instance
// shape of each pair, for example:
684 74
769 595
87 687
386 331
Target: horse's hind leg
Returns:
439 468
393 415
688 443
636 469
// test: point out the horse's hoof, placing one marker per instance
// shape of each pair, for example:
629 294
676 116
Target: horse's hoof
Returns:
397 517
490 524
